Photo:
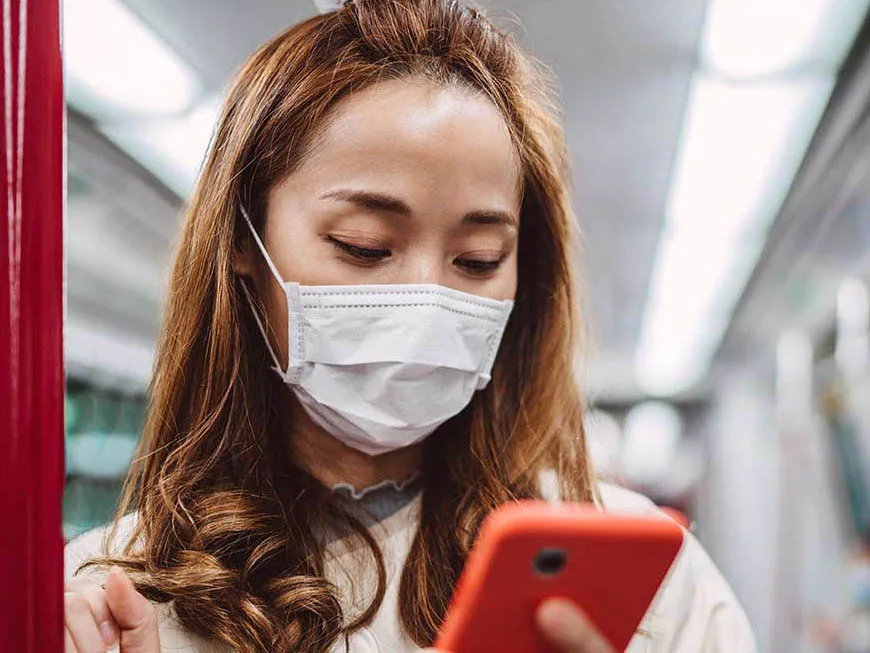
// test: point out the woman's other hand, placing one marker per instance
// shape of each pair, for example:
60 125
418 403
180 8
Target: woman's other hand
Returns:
97 619
566 629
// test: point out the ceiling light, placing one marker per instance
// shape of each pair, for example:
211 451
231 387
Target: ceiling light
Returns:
116 66
172 148
741 148
745 39
766 72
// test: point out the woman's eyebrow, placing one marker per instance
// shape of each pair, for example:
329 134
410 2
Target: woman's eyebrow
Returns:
490 217
370 200
388 204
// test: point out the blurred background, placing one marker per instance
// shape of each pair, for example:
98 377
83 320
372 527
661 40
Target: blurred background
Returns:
721 151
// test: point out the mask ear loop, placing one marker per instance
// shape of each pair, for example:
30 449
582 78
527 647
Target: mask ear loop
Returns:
262 247
277 364
285 374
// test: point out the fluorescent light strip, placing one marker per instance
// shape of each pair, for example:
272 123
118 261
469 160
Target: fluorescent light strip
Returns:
141 95
695 291
742 144
117 67
741 147
173 149
752 39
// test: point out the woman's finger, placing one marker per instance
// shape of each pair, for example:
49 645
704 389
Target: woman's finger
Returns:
134 614
69 645
96 598
564 626
81 625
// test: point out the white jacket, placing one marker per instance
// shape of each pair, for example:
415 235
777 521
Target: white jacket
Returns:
694 611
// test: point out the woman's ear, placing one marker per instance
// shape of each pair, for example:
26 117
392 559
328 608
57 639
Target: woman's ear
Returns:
243 258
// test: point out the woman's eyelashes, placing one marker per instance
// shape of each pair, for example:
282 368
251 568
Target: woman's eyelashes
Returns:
479 265
363 254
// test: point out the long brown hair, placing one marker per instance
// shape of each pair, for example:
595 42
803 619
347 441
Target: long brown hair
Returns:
227 527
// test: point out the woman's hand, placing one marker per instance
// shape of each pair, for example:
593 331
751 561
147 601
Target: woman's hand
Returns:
98 618
566 628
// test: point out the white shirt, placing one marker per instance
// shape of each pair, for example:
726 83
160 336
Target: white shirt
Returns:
694 610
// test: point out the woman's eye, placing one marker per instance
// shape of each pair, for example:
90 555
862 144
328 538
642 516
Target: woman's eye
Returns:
364 254
478 266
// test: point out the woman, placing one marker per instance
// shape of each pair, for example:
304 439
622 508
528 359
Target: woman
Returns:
383 219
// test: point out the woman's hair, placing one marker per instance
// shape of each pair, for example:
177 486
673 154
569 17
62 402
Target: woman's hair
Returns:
230 529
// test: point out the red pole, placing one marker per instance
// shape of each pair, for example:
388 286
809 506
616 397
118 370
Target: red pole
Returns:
31 321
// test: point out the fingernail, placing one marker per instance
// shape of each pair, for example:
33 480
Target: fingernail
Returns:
109 632
121 578
558 615
117 571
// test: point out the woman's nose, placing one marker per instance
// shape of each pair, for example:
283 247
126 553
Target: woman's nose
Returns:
427 271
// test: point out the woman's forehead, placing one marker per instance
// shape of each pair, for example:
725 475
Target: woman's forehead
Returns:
415 132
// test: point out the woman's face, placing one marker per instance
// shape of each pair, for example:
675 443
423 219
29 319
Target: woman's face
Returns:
409 183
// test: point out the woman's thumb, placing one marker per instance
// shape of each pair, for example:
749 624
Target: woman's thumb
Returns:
135 615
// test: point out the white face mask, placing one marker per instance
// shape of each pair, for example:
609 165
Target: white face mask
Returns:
380 367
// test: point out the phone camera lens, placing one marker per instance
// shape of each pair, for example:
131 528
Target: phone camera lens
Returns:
550 562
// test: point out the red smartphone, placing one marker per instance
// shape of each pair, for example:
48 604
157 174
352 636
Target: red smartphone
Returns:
610 565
